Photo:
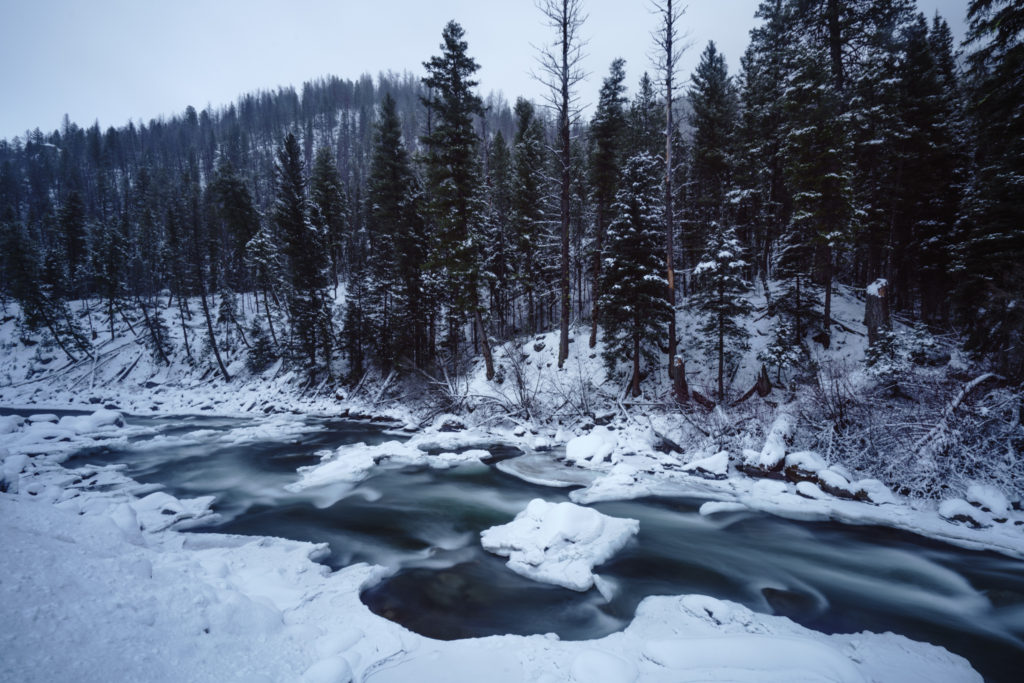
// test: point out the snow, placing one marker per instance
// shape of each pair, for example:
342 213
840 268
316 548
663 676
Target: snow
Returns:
989 499
876 287
353 463
774 449
808 461
559 543
717 465
597 446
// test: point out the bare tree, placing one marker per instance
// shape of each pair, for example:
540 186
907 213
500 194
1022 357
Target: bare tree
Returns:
561 71
668 51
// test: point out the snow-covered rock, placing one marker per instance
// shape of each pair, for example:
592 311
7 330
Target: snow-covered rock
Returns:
595 447
989 499
714 467
559 543
958 510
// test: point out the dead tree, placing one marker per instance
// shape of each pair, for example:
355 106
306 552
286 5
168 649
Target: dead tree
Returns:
876 309
561 72
669 51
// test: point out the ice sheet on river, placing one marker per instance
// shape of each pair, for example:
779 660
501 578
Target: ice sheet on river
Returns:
559 543
353 463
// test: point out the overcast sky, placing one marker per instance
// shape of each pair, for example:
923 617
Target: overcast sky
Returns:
115 60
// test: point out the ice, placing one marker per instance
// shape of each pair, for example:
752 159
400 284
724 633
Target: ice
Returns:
713 507
559 543
543 470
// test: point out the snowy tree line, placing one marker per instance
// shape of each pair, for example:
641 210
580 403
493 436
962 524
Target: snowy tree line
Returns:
856 143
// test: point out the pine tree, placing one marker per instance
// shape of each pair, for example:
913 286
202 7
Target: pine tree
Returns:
394 228
634 310
714 108
722 300
607 134
529 212
236 221
500 258
303 249
71 226
453 184
669 51
819 175
108 258
43 310
762 200
328 210
991 279
646 120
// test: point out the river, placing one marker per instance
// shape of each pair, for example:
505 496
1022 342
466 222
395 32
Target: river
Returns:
424 524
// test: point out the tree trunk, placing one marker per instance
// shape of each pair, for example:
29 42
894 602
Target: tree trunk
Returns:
595 305
152 332
485 345
209 329
270 320
827 324
563 134
679 386
876 309
184 328
721 357
636 367
669 217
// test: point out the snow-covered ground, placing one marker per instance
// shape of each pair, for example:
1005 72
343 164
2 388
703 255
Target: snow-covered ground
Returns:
97 584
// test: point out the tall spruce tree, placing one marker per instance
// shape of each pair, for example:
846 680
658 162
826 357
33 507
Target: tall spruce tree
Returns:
721 300
303 249
607 135
634 310
529 213
992 281
328 209
453 186
713 117
395 244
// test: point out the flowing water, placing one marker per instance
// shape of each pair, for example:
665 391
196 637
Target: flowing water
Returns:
425 524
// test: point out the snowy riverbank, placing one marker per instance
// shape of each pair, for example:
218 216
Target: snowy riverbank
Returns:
93 552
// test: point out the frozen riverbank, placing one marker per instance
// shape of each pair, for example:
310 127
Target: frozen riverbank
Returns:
87 555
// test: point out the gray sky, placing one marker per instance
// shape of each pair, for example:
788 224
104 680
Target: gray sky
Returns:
115 60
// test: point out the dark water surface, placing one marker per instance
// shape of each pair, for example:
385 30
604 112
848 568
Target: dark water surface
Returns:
425 524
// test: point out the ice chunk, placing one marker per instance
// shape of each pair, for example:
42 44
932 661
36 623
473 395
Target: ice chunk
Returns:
559 543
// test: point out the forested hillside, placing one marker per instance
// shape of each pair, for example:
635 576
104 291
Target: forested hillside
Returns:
405 224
